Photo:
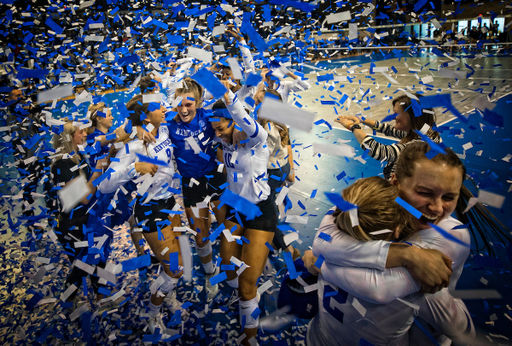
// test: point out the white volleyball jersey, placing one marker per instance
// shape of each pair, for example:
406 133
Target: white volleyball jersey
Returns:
247 166
160 184
361 303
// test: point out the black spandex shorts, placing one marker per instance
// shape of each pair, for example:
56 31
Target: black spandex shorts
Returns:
209 185
267 221
151 211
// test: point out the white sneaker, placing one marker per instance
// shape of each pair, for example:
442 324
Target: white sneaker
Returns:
172 302
211 291
156 323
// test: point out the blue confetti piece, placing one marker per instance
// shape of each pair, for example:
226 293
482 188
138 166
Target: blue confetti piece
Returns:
136 263
339 201
217 232
325 236
291 266
253 80
341 176
218 278
449 236
256 313
54 26
255 38
320 260
210 82
144 158
415 212
313 194
240 204
270 247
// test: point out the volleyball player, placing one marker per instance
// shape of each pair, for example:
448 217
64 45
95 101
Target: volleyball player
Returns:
247 176
157 198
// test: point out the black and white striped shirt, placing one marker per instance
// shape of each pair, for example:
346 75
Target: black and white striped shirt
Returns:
389 152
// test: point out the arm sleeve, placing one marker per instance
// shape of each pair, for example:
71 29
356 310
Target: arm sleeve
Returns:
122 171
247 57
378 287
344 250
447 315
256 134
389 130
379 151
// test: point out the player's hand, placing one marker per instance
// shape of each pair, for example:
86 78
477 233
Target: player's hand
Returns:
145 168
309 262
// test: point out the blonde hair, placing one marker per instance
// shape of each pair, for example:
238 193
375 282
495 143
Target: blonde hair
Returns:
93 111
193 87
377 210
64 141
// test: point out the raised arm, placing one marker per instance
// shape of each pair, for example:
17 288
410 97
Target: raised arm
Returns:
256 134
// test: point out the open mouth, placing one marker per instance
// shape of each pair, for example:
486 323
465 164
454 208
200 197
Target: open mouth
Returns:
428 219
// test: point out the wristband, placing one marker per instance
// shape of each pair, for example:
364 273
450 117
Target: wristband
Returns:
355 127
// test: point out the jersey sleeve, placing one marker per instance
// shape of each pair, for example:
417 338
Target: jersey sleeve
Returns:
122 171
397 282
431 239
343 250
447 315
255 132
247 57
378 287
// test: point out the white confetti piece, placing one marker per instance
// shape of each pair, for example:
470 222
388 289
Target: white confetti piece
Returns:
361 309
79 312
294 117
148 98
282 195
55 94
414 306
343 150
491 199
290 237
338 17
71 194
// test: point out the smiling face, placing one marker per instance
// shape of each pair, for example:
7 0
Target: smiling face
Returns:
78 137
402 121
187 108
433 189
107 121
156 117
224 129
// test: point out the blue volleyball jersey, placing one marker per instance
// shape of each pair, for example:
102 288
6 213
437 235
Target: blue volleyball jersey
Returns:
98 149
199 162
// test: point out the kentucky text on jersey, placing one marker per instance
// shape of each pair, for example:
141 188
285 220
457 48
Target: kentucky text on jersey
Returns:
162 145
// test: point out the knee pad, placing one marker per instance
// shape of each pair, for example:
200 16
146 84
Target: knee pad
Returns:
169 283
249 313
205 250
233 283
